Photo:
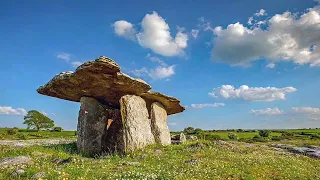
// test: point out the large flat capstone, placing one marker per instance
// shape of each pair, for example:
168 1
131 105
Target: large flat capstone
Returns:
100 79
172 105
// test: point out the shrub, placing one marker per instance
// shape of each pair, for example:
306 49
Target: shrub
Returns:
315 136
12 131
215 137
22 136
27 130
57 129
2 136
232 136
189 130
36 135
287 134
198 131
264 133
239 130
276 138
257 138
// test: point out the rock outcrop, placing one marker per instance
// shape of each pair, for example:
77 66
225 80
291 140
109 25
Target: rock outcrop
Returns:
178 139
15 161
159 125
136 123
116 109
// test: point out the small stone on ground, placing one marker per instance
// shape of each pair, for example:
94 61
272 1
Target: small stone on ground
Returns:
39 175
131 163
14 161
17 172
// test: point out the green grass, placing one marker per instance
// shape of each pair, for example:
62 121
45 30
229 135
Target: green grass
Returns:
207 135
237 161
35 135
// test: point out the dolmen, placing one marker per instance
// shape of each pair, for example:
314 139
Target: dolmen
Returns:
118 113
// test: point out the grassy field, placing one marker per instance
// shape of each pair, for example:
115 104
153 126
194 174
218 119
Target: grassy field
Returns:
194 160
25 134
203 159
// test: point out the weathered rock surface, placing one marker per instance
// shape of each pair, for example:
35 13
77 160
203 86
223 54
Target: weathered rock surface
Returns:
312 151
178 139
100 79
131 163
17 173
92 125
171 104
37 142
136 123
39 175
14 161
159 125
191 138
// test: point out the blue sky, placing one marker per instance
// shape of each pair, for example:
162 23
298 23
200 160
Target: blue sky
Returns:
233 64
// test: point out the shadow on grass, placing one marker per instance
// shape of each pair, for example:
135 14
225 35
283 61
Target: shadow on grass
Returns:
70 148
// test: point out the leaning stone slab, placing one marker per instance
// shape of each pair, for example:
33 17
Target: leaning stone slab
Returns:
15 161
100 79
159 125
136 123
171 104
92 125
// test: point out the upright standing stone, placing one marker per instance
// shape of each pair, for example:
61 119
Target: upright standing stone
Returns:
159 125
92 126
136 123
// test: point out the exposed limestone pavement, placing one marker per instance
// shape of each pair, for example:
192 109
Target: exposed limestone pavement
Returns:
311 151
37 142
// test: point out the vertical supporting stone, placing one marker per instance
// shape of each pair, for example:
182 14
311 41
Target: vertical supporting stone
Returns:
92 126
136 124
159 125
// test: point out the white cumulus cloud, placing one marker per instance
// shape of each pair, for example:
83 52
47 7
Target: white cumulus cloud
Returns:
64 56
156 60
172 124
247 93
200 106
7 110
286 37
315 118
154 35
76 63
261 12
271 65
268 111
306 110
124 29
194 33
160 72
